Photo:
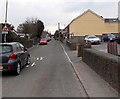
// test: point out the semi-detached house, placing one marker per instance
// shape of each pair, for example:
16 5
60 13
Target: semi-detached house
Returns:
90 23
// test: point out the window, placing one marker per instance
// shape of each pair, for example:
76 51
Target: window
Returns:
18 48
5 48
21 46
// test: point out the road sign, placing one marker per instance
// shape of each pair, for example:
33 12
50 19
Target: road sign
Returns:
5 30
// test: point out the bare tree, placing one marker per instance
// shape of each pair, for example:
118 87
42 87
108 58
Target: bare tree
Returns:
32 26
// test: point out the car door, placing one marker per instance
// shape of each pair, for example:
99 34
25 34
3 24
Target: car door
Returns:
25 52
20 54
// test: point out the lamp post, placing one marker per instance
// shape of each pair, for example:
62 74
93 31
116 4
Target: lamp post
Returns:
6 11
6 18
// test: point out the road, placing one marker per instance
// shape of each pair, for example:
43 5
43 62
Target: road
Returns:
50 74
103 47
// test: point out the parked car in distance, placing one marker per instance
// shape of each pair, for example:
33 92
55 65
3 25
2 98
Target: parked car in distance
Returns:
118 39
43 41
92 39
48 39
109 37
13 57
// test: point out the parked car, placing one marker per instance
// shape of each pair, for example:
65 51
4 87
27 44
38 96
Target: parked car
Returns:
109 37
118 39
92 39
43 41
48 39
13 57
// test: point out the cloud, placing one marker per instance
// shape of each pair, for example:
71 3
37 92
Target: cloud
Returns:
53 11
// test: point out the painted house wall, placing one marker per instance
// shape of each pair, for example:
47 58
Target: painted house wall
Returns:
91 24
111 28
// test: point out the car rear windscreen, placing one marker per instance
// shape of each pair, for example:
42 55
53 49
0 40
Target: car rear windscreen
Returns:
5 48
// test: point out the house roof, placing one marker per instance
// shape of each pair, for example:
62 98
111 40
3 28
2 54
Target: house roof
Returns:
110 20
85 13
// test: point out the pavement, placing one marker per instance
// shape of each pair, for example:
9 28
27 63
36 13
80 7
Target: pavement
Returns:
94 85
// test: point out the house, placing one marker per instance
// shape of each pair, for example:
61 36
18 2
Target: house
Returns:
23 35
90 23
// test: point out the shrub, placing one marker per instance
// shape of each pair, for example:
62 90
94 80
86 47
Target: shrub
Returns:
19 39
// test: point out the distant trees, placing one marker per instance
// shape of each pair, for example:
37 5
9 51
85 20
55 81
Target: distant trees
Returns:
56 35
31 26
46 34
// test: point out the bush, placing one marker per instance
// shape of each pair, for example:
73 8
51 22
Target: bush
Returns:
19 39
12 37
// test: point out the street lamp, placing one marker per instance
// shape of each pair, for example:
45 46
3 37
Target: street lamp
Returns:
6 18
6 11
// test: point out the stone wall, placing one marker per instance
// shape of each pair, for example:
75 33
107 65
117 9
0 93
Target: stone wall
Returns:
71 45
106 65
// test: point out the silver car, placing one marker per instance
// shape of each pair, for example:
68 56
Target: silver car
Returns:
92 39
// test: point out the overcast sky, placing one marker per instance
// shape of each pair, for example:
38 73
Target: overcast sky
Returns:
50 12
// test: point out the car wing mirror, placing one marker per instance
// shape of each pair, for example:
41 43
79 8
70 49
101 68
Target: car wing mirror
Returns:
25 49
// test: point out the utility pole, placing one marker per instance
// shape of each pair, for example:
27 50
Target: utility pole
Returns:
59 30
6 11
58 26
6 18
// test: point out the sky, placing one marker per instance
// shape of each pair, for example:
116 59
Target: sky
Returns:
52 12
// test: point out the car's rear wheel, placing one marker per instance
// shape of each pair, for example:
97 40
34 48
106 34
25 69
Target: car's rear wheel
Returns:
18 69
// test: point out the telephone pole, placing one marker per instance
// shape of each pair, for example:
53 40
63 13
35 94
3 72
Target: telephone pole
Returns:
58 26
6 11
6 18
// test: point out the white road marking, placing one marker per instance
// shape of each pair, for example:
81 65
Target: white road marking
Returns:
33 64
67 55
27 66
41 58
38 58
75 70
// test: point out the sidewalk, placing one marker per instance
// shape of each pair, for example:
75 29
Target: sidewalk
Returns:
93 83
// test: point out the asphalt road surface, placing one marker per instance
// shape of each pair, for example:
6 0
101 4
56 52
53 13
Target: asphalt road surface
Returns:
50 74
103 47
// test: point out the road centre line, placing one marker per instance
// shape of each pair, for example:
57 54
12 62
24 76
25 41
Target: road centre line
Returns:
27 66
41 58
76 72
33 64
38 58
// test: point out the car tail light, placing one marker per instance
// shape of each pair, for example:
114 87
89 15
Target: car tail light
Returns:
13 56
9 68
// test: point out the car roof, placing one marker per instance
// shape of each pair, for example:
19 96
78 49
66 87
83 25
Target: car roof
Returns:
9 43
91 36
110 34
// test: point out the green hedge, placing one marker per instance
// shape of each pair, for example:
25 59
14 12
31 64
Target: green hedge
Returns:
19 39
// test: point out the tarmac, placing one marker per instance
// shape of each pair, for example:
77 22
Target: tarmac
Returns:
103 47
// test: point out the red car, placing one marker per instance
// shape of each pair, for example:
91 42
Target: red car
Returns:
43 41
